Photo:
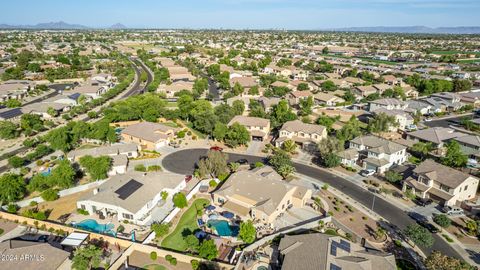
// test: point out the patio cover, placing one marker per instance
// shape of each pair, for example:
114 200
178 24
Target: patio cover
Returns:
74 239
236 208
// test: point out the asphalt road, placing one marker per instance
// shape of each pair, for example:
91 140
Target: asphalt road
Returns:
136 89
183 162
448 121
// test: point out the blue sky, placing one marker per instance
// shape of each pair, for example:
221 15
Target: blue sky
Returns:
257 14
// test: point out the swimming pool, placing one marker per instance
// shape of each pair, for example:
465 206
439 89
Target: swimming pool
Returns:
223 228
93 226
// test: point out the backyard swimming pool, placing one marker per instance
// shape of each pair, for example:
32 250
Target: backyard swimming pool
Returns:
223 228
93 226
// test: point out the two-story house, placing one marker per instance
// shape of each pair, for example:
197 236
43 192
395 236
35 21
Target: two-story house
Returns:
441 183
305 135
387 104
256 126
149 135
470 145
375 153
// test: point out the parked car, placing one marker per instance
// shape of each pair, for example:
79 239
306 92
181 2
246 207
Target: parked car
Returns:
216 148
242 161
429 226
452 210
428 119
423 202
368 172
416 216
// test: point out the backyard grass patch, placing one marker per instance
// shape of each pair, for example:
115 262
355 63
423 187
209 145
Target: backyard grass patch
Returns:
188 222
154 267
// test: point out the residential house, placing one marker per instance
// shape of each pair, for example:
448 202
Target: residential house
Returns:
268 102
303 134
22 254
375 153
149 135
91 91
245 82
441 183
120 153
470 145
173 88
418 106
437 136
364 91
260 194
472 98
13 91
295 96
257 127
43 109
330 253
387 104
133 197
328 99
402 118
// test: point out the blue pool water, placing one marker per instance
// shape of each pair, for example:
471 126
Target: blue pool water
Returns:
223 228
93 226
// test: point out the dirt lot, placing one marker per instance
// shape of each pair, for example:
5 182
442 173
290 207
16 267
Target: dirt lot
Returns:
64 205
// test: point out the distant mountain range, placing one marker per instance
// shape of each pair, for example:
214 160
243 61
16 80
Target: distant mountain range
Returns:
379 29
59 26
412 29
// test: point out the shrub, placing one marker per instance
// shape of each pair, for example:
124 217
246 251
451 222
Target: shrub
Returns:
50 195
364 217
140 168
325 186
154 168
442 220
12 208
153 255
16 162
195 264
259 164
82 212
33 203
212 183
398 243
120 228
450 240
330 213
180 200
181 134
160 229
223 177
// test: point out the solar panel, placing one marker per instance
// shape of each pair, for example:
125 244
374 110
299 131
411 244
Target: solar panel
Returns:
128 189
334 267
343 245
11 113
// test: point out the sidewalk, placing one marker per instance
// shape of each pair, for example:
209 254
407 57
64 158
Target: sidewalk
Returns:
399 203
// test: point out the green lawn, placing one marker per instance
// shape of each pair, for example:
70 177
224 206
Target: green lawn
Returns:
170 124
453 52
196 132
188 221
172 104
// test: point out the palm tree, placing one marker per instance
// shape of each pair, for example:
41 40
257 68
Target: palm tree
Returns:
234 166
286 170
472 227
289 146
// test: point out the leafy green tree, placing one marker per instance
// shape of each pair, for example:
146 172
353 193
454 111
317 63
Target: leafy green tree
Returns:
13 103
330 145
326 121
52 112
12 188
392 176
325 50
160 229
50 195
16 161
306 106
60 139
328 86
302 86
8 130
180 200
247 232
192 242
96 167
331 160
350 130
442 220
454 156
419 235
237 89
381 123
87 257
31 122
279 158
461 85
281 113
208 250
237 135
63 175
220 131
422 149
238 107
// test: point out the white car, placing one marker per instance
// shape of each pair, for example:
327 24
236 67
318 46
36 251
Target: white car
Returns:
428 119
368 172
453 210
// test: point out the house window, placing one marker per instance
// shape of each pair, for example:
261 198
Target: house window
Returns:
127 216
444 188
129 154
466 187
82 206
